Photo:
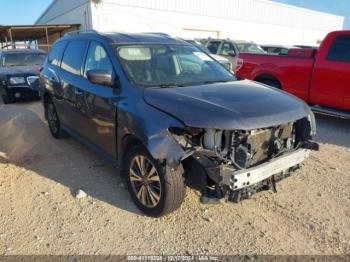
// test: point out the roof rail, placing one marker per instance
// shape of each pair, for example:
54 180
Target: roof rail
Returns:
78 32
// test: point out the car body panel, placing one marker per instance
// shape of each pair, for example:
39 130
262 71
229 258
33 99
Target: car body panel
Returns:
242 105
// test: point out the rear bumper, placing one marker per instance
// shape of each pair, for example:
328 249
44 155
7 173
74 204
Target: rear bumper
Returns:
237 180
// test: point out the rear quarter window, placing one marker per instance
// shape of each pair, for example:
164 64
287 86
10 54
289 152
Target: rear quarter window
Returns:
340 49
56 53
73 57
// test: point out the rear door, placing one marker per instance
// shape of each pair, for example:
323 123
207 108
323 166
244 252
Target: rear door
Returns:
71 81
52 80
97 104
330 83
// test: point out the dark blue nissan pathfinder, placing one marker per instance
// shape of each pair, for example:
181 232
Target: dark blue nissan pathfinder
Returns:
170 116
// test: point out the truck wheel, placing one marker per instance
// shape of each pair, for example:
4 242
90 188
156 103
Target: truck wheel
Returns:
53 120
272 83
155 189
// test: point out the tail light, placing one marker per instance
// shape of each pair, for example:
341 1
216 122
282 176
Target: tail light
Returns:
239 63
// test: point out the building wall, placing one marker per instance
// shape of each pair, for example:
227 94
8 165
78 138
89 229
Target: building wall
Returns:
260 21
68 12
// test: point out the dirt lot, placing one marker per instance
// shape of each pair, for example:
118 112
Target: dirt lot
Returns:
39 176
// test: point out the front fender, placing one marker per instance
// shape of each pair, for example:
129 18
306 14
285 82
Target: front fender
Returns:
150 126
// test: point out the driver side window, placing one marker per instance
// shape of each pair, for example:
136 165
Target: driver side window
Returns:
97 59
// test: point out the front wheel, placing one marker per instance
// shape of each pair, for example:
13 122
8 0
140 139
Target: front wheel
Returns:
155 189
6 99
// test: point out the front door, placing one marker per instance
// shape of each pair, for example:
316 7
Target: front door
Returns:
97 104
330 84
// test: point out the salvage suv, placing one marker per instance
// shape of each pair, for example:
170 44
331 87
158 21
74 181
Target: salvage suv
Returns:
170 116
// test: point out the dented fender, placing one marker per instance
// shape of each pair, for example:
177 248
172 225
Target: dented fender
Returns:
164 146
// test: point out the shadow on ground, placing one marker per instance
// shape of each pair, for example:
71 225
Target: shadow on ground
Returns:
25 141
333 130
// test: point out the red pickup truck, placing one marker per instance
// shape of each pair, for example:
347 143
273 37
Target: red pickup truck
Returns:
319 77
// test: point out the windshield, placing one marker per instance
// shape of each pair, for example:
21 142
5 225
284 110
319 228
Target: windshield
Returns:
170 65
250 48
22 59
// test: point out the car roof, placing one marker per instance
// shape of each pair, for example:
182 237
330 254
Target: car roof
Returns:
22 50
127 38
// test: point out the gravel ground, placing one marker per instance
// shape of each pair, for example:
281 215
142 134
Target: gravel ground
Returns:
39 178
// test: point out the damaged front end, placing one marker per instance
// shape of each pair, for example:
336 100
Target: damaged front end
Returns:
235 164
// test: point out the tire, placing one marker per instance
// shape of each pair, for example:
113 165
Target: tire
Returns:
273 83
6 99
53 120
162 192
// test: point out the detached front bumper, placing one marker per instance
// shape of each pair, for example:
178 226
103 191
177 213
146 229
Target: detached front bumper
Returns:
241 179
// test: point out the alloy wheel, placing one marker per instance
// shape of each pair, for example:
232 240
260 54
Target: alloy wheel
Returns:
52 118
145 181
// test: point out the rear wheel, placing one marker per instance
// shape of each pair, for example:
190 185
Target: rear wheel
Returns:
155 189
53 120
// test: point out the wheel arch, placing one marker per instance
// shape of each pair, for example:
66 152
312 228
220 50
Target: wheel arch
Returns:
267 77
46 98
126 143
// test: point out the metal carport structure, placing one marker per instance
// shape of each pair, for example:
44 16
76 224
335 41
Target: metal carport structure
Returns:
34 36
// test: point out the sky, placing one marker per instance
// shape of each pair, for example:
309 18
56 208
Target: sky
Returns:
20 12
337 7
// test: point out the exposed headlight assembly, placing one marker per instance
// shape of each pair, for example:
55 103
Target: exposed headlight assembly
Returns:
311 119
17 80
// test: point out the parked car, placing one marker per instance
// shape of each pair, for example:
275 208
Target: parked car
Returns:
222 60
249 47
19 72
225 48
277 49
319 77
230 49
170 116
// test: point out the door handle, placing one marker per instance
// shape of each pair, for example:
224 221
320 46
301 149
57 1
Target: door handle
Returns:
78 92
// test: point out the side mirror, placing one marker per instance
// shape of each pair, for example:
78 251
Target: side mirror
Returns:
231 53
100 77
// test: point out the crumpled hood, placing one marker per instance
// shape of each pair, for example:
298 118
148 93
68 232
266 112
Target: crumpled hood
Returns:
20 70
241 105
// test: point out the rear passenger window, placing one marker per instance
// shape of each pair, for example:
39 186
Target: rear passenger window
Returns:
73 57
56 53
213 47
340 49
